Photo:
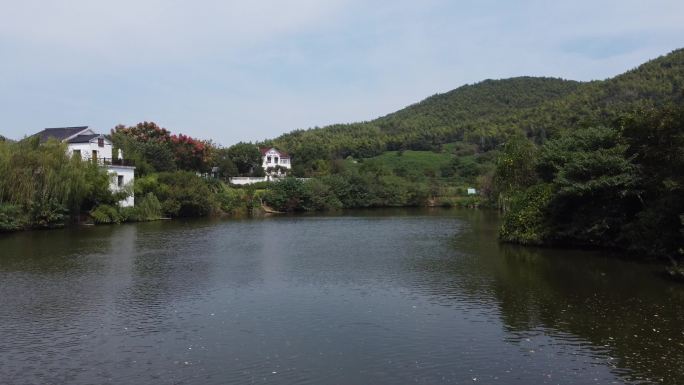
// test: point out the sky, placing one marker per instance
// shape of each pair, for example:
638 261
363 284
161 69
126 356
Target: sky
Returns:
250 70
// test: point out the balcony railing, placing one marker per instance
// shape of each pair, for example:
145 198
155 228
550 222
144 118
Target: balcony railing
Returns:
113 162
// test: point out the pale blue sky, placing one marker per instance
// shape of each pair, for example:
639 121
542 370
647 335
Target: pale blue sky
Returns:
238 70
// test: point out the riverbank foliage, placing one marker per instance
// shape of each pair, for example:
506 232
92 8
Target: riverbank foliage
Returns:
619 187
42 187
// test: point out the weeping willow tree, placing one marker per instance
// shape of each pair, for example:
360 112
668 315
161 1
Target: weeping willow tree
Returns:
40 185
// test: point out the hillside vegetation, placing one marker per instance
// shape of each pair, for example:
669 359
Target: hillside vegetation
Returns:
596 164
487 113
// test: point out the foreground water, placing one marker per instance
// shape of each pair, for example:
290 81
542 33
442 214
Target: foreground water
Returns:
374 297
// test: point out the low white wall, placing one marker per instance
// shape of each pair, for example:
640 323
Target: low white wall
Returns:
244 180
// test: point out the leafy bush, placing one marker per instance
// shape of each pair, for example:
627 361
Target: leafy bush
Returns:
526 221
47 213
171 208
106 214
287 194
12 218
230 199
184 194
146 208
320 196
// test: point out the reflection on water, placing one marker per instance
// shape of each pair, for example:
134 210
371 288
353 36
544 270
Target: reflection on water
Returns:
381 296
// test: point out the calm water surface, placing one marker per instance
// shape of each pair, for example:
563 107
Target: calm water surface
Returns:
374 297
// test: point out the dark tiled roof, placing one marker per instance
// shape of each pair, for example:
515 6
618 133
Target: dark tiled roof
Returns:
59 133
82 138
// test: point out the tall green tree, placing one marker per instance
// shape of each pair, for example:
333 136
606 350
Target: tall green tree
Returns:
655 139
245 156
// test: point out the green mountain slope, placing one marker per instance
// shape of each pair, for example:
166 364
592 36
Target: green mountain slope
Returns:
486 113
474 102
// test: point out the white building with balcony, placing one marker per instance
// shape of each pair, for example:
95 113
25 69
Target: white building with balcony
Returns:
276 164
277 161
91 146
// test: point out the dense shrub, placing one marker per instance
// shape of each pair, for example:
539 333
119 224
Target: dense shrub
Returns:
526 220
320 196
288 194
146 208
103 214
184 194
12 218
230 199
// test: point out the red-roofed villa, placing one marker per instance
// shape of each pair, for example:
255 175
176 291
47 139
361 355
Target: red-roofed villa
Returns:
274 161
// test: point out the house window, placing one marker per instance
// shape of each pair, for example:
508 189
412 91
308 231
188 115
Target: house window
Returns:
119 180
94 159
276 161
100 142
268 159
76 153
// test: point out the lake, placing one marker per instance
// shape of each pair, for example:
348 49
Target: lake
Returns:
424 296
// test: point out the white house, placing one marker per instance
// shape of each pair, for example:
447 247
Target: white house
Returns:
91 146
275 163
272 158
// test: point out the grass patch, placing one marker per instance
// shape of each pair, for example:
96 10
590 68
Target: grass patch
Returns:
412 162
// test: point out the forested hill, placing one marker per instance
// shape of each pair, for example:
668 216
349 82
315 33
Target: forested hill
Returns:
471 103
486 113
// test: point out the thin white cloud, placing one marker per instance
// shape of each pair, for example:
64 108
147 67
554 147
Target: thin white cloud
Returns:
135 30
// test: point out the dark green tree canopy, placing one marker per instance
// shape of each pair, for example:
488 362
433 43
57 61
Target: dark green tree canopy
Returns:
245 156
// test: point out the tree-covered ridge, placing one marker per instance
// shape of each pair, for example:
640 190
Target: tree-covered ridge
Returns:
489 112
657 82
439 119
471 103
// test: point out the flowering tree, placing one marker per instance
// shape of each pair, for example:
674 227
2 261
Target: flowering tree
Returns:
145 132
188 153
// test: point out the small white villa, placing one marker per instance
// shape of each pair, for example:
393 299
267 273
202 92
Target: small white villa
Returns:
272 158
276 164
91 146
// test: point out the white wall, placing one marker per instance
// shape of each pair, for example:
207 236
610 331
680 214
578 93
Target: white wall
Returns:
88 148
244 180
128 179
